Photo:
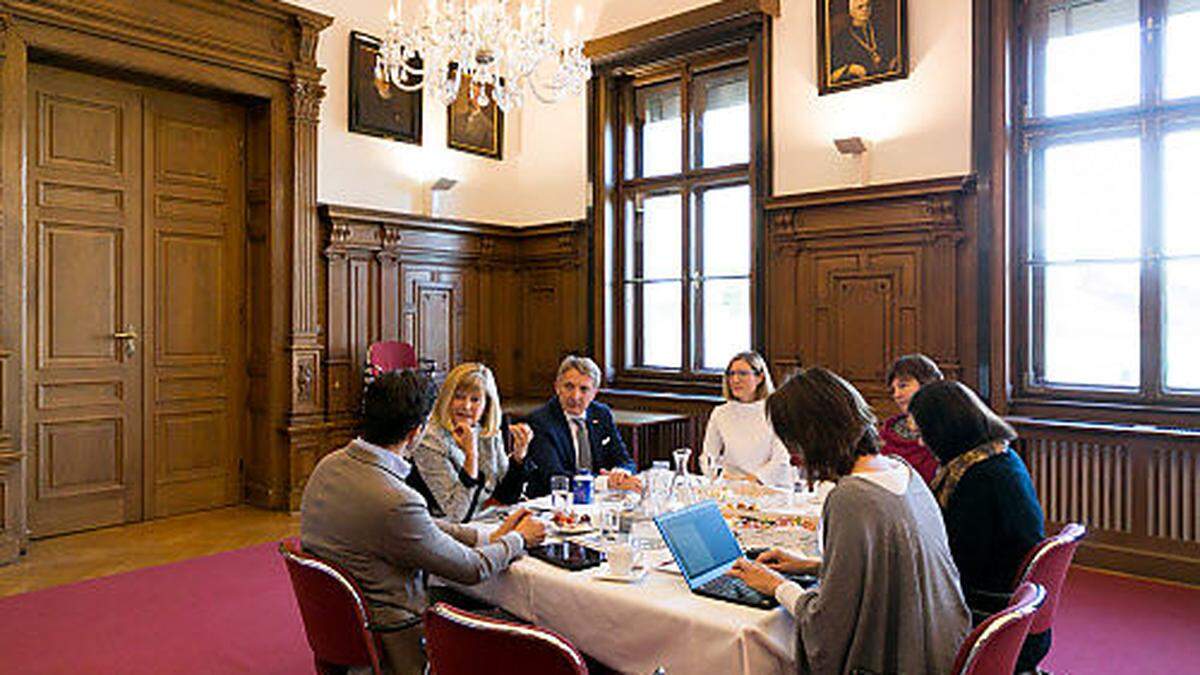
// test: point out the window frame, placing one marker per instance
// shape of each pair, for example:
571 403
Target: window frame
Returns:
690 183
1150 120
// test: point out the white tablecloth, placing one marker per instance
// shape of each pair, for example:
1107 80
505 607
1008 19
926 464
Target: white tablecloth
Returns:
658 621
634 628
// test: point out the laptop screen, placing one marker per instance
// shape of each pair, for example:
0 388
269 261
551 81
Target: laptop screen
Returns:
699 539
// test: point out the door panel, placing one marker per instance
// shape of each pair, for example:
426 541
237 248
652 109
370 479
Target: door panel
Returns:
85 240
195 271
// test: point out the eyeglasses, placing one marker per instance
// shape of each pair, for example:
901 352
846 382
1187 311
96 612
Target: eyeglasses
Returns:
740 373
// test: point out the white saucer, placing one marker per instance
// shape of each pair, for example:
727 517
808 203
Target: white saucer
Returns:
603 573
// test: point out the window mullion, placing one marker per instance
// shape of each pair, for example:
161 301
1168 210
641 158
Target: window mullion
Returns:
1152 266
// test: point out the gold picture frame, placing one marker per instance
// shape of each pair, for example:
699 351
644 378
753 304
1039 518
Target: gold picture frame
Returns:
474 129
860 43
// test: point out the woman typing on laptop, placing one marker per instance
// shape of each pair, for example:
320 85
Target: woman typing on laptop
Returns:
888 598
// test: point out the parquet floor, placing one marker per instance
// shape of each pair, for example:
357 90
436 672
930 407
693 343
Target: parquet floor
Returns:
87 555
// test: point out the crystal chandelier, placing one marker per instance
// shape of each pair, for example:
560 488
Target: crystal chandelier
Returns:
498 51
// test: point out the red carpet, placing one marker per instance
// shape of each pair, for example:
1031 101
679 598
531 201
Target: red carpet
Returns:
227 613
1111 624
234 613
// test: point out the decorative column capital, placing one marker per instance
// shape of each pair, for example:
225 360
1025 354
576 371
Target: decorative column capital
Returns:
306 100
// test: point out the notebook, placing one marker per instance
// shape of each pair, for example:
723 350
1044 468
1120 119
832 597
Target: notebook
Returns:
704 548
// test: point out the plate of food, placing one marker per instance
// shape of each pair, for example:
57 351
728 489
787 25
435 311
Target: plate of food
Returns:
569 522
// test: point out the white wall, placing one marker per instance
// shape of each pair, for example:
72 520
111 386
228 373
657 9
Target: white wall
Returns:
541 178
916 128
919 127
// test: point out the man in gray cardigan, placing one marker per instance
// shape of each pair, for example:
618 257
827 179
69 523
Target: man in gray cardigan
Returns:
358 513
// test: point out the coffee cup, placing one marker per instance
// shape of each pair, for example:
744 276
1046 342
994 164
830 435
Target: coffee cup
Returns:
622 559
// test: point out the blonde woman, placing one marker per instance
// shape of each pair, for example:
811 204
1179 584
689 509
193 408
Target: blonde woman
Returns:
738 436
462 462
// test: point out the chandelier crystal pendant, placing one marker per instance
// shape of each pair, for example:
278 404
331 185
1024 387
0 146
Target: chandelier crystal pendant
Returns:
498 51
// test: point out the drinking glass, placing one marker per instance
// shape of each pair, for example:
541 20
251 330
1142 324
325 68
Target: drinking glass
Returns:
643 534
560 493
610 522
712 466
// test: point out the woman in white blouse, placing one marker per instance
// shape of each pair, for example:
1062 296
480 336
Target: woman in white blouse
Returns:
739 437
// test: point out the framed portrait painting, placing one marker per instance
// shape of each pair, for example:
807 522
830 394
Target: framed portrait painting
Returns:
378 107
472 128
860 42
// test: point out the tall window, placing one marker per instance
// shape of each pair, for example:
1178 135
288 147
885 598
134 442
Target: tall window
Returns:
686 236
1110 250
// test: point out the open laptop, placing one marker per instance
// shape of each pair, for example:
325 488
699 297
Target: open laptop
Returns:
704 549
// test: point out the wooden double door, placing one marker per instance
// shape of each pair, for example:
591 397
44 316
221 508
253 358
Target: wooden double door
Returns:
136 248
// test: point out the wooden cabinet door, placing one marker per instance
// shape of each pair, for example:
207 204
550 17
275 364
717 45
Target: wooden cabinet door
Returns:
194 290
85 247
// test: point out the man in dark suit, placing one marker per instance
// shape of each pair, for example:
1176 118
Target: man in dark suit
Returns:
358 512
572 432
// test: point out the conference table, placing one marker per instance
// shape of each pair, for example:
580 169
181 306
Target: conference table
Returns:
656 621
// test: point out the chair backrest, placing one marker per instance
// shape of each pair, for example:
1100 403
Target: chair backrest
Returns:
461 643
1046 565
993 647
336 619
390 355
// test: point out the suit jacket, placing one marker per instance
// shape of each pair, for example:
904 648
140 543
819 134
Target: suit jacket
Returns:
358 512
552 451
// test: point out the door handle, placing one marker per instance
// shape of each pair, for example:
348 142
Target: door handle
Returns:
129 336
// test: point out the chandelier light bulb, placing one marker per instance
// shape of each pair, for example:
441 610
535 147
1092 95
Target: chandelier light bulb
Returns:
499 51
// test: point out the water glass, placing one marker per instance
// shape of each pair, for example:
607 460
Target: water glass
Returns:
610 522
560 493
643 534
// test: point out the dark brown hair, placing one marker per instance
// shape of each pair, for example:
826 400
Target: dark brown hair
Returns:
394 404
953 420
822 418
917 366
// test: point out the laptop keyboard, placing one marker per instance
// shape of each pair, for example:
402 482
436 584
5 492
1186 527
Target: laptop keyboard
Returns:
735 590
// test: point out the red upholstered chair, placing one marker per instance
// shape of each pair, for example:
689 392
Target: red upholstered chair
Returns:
336 619
993 647
461 643
1046 565
387 356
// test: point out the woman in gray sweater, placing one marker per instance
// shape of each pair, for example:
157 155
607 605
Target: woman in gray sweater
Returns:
889 599
462 461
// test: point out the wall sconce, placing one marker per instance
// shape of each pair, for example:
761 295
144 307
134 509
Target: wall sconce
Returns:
433 195
856 146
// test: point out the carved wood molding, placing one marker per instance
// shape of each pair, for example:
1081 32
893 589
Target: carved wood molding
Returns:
874 193
406 236
927 211
221 32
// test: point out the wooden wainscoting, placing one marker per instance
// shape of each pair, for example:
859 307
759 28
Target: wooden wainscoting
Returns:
1136 488
657 441
861 276
457 290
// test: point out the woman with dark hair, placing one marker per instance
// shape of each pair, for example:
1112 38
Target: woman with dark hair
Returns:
888 600
992 514
899 433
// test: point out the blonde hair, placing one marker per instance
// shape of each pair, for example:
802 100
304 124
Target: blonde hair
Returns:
472 377
759 366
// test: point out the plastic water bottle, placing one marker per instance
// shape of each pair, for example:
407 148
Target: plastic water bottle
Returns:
583 487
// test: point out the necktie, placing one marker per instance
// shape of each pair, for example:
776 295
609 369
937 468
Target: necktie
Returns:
584 445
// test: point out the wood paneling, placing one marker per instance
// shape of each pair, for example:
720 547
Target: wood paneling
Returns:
459 291
85 402
196 288
856 278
